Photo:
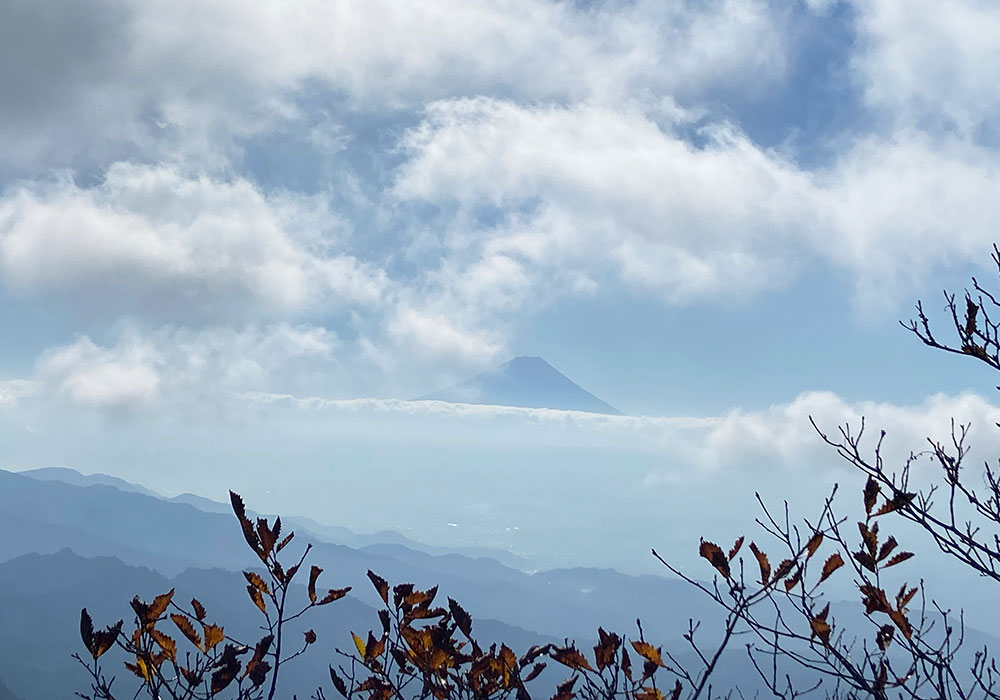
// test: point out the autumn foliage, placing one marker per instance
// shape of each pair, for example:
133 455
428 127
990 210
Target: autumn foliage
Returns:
212 662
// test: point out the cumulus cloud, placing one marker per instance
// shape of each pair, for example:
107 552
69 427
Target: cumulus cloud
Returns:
192 78
436 334
12 390
90 375
610 188
592 191
180 367
466 167
784 431
538 49
904 208
929 63
151 239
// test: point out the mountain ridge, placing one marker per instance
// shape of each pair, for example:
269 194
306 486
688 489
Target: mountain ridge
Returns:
334 534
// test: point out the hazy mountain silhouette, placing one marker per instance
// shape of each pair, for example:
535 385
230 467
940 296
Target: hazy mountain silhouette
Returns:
528 382
335 534
338 534
72 476
170 537
102 520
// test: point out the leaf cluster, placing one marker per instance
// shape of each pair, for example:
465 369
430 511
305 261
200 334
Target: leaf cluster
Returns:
176 653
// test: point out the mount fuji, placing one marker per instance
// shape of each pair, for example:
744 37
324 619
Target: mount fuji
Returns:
528 382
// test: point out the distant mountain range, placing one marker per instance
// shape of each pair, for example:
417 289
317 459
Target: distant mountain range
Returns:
336 534
72 476
528 382
170 537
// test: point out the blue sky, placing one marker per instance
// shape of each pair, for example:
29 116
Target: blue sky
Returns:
703 210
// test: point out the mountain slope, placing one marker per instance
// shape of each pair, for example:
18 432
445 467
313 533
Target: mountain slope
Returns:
145 531
6 693
72 476
334 534
528 382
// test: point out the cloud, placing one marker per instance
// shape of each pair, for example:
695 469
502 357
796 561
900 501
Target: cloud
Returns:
182 368
555 475
821 6
468 165
904 208
12 390
191 79
606 190
438 335
153 240
929 63
269 375
528 48
597 194
780 436
90 375
784 431
58 63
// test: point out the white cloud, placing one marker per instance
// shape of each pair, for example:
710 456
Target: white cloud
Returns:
12 390
150 239
784 432
184 368
425 50
561 148
189 78
739 442
616 191
90 375
905 208
923 61
435 334
590 192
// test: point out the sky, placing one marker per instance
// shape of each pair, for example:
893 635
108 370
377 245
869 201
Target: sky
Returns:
236 238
